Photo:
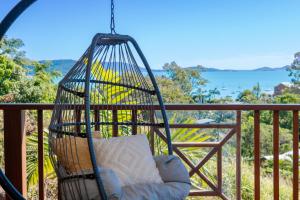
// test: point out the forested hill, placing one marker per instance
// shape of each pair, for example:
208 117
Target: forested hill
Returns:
62 65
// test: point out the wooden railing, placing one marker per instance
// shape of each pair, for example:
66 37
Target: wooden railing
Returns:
15 145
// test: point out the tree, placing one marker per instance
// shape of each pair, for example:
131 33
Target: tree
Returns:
40 88
223 100
254 96
171 92
294 69
17 83
212 94
11 48
32 159
266 135
246 96
286 118
256 91
10 74
188 79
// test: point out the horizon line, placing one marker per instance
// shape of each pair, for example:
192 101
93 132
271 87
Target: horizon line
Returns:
206 67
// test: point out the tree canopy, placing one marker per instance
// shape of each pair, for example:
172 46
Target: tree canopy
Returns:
294 69
18 81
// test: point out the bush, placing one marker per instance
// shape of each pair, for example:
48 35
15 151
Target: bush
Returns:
247 188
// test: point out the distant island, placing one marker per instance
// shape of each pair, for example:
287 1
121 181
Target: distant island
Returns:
64 66
212 69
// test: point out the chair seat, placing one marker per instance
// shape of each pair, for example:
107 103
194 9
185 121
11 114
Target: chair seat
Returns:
164 191
176 184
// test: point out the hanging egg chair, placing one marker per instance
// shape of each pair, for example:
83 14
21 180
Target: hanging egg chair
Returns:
104 95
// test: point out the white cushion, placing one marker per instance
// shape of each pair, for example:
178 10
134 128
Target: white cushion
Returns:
129 157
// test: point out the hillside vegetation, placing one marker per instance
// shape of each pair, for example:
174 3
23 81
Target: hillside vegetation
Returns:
27 81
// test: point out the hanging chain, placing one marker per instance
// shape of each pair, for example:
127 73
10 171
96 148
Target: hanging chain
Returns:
112 18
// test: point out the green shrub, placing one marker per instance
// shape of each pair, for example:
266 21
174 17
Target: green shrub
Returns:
248 183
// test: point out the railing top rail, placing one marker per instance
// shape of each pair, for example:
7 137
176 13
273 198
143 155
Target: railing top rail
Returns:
189 107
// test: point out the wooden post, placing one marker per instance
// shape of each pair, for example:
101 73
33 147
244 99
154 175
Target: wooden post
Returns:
238 156
219 170
256 155
295 155
41 155
276 154
15 148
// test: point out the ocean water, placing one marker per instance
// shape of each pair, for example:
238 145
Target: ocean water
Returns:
231 83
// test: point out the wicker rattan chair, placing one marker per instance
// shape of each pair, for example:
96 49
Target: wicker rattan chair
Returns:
108 94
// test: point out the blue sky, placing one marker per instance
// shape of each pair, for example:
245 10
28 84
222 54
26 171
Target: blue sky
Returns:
239 34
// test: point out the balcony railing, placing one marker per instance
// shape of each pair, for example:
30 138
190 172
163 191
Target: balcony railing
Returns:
15 145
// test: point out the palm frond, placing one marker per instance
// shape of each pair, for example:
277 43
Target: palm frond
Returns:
32 159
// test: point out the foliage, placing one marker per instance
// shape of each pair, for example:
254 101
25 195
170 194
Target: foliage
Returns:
32 159
11 49
212 94
208 96
110 94
39 88
294 69
16 79
189 80
171 92
10 74
246 96
254 96
287 98
50 187
285 117
189 135
217 116
266 135
182 85
222 100
247 188
285 167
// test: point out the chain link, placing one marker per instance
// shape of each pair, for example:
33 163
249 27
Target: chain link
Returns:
112 18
